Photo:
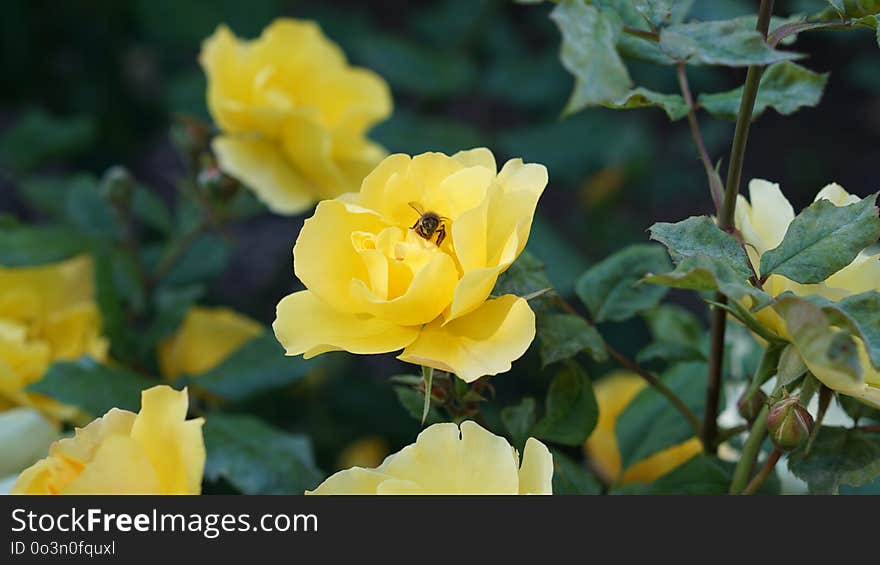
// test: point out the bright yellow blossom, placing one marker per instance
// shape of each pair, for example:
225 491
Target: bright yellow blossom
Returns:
613 394
446 459
47 314
293 113
156 451
374 285
763 223
205 339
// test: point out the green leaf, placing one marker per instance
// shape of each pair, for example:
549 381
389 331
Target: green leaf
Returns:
565 335
609 290
571 477
662 12
730 43
38 137
519 420
30 245
149 208
649 423
699 235
786 87
204 260
526 276
49 194
92 387
705 273
413 401
860 313
838 5
571 411
818 342
701 475
257 367
677 334
838 457
257 458
872 22
823 239
791 366
673 104
87 210
588 52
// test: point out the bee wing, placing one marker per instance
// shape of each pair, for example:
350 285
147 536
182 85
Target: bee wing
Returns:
417 207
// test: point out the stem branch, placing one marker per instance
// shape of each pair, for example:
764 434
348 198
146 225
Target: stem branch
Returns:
726 222
715 187
765 471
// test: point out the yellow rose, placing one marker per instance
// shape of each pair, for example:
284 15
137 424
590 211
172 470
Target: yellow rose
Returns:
205 339
47 314
763 223
156 451
374 285
613 394
367 451
448 460
293 113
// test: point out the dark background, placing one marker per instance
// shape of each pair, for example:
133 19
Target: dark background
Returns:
463 73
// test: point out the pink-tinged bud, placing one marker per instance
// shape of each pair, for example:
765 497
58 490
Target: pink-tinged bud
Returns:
789 423
749 405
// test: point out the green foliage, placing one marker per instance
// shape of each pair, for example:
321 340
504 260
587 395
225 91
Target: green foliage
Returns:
731 43
413 401
588 52
786 87
565 335
571 477
38 137
673 104
823 239
677 336
92 387
31 245
609 288
519 420
702 475
257 458
258 366
707 273
649 423
571 411
838 457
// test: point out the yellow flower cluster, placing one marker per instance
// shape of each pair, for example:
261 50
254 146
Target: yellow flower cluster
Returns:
763 221
47 313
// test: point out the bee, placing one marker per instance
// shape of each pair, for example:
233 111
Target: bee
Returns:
429 223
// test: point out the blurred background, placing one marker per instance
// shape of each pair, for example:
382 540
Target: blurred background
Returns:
91 84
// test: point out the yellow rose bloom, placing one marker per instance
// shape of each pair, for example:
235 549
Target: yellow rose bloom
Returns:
205 339
293 113
446 459
613 394
156 451
763 221
375 285
47 314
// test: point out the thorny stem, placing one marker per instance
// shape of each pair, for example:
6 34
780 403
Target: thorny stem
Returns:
677 402
642 33
726 222
715 187
765 471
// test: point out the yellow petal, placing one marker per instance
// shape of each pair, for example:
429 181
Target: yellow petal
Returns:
613 393
325 259
262 166
307 144
484 342
31 294
837 195
862 275
206 338
771 213
652 468
472 291
120 466
173 445
306 326
536 471
513 207
446 460
351 481
479 156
